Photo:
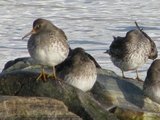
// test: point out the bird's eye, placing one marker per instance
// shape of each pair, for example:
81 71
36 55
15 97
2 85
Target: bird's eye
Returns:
38 26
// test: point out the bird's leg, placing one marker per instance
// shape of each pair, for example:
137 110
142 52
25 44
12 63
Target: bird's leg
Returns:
42 75
56 78
53 75
138 76
123 74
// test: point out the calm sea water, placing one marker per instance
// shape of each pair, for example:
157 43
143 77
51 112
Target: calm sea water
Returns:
87 23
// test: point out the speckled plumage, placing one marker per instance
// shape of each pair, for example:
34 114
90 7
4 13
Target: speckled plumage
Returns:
79 70
47 44
132 51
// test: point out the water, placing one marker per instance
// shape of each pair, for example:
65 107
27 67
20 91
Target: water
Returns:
87 23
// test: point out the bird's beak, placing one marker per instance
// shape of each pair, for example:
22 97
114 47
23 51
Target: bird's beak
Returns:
30 33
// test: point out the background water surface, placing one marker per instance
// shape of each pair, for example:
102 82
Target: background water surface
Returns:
87 23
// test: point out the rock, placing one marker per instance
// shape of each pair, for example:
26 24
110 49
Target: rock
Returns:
22 82
132 114
18 63
126 95
34 108
111 98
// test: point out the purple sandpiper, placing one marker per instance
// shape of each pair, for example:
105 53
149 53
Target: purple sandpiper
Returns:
47 45
151 86
132 51
79 70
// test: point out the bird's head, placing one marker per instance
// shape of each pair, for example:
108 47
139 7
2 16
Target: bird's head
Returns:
154 53
40 25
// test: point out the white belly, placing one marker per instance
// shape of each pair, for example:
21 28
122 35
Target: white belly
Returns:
84 80
50 56
82 83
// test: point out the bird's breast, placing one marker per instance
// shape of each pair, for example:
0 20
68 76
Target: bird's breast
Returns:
48 52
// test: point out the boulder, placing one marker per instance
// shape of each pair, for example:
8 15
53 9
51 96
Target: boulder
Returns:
111 98
17 80
34 108
126 95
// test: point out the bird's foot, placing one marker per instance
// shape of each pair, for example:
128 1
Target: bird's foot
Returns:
51 76
140 80
42 76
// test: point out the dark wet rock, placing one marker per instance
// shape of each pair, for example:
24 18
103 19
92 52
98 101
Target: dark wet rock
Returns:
111 98
18 63
34 108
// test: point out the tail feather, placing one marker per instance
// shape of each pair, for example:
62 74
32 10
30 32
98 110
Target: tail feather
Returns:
107 51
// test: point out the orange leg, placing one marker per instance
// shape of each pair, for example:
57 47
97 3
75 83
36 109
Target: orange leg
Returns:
42 75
